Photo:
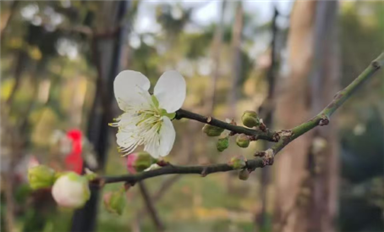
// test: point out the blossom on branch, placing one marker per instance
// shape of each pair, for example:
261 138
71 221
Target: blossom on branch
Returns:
147 118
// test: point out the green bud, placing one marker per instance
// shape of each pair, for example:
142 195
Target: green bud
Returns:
115 202
212 131
244 174
242 141
41 176
143 161
250 119
237 162
222 144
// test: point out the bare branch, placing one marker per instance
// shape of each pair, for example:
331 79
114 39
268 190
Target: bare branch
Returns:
258 134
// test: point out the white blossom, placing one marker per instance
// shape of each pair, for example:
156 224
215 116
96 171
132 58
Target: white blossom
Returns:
147 118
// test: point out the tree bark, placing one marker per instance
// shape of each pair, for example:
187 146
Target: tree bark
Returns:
107 59
266 113
306 176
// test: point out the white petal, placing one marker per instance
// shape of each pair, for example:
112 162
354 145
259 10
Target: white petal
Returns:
166 139
131 88
170 91
127 141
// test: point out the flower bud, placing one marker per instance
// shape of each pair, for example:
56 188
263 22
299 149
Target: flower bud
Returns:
212 131
71 190
242 141
250 119
115 202
222 144
41 177
138 162
237 162
244 174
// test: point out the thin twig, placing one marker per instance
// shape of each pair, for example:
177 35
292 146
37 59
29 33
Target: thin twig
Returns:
150 207
269 136
323 117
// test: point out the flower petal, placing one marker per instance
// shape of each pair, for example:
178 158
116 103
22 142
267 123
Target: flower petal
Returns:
166 138
170 91
127 141
131 88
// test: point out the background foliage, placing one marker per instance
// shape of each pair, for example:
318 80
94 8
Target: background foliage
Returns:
49 80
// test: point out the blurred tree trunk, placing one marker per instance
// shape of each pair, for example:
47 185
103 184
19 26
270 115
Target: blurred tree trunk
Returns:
217 44
107 59
7 17
307 172
237 30
236 71
266 112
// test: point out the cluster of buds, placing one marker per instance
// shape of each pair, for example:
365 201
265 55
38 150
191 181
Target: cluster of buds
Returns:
249 119
68 189
240 162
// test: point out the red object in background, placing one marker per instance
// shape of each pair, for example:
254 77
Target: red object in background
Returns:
74 161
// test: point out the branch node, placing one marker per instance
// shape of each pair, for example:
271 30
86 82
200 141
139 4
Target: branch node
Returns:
276 137
285 133
376 64
209 119
163 163
262 126
324 120
99 182
127 186
268 158
204 173
260 154
253 137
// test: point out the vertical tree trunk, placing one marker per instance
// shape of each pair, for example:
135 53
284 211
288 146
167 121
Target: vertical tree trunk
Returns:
266 112
306 175
217 44
107 57
237 30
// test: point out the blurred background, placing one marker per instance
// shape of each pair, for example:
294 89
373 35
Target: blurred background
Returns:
285 59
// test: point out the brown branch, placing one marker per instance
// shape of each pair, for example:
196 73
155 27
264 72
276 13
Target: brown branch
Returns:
173 169
258 134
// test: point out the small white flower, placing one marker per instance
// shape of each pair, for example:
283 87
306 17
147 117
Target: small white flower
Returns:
147 119
71 190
